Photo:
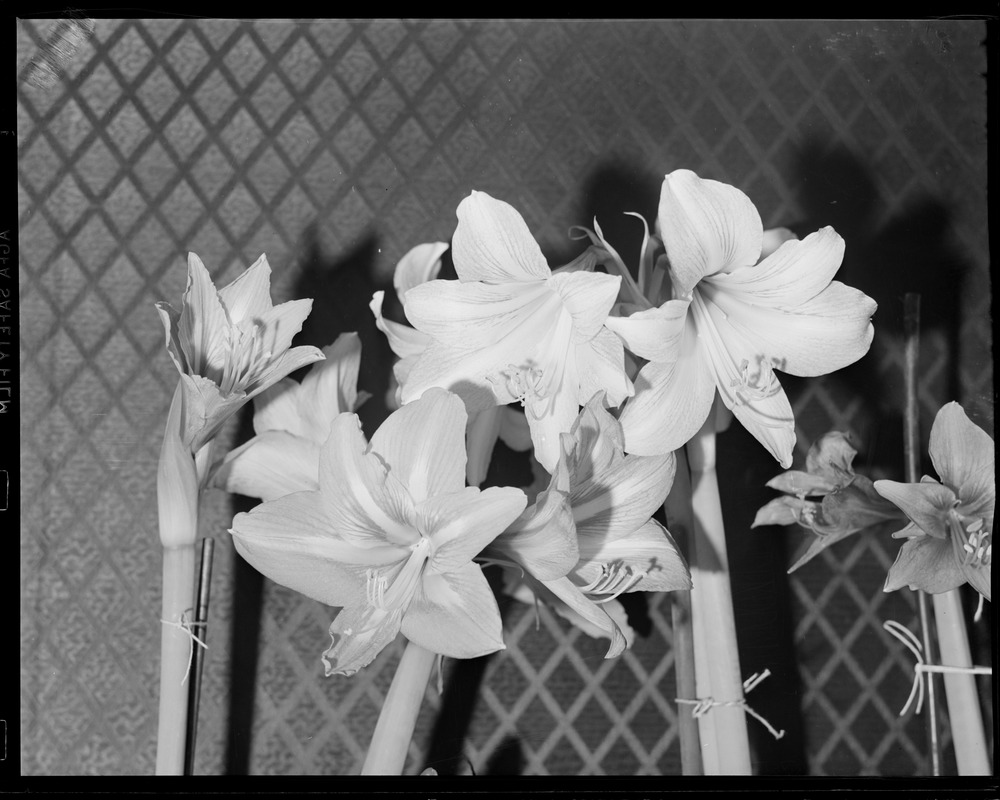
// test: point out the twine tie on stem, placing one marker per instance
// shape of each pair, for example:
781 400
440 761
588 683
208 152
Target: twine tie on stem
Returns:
706 704
922 668
188 627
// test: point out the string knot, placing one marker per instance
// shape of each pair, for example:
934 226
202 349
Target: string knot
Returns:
188 626
703 705
922 669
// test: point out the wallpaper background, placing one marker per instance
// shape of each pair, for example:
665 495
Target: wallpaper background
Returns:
334 147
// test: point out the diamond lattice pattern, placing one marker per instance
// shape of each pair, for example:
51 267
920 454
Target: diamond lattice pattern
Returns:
336 146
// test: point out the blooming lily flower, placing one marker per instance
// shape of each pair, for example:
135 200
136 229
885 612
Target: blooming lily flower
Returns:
510 330
611 498
419 265
229 345
389 536
949 540
291 421
848 502
731 321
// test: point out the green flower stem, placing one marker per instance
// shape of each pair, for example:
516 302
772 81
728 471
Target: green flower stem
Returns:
960 690
175 655
717 660
394 729
680 522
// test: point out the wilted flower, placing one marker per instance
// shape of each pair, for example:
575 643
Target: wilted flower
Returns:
848 502
732 321
291 421
389 536
510 330
949 540
229 345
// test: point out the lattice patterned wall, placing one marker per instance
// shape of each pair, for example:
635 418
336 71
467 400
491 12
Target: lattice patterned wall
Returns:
334 147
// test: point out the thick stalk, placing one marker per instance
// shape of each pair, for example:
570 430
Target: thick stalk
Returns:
394 729
677 509
177 505
713 614
911 448
960 690
175 655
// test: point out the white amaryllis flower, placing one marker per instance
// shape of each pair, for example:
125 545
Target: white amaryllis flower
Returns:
291 421
509 330
421 264
733 319
229 345
389 536
590 536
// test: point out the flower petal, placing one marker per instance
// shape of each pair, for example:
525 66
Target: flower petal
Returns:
249 296
331 386
461 524
292 541
707 227
743 377
832 456
578 604
588 297
552 419
277 409
781 511
774 238
403 340
671 402
419 265
616 502
365 503
927 563
203 325
492 243
286 363
170 319
817 337
963 457
543 538
600 363
801 484
926 504
359 634
655 333
477 315
455 614
280 325
514 430
649 549
423 444
794 274
270 465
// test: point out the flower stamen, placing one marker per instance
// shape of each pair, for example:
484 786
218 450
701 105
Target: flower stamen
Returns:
616 578
759 387
975 543
525 384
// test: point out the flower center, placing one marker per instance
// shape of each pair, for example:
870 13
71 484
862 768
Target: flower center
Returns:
246 355
757 387
616 577
525 384
385 596
974 541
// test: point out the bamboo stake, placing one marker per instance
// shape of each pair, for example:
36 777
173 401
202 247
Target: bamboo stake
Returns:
197 655
394 729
